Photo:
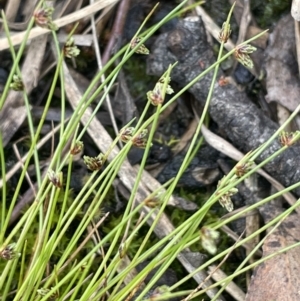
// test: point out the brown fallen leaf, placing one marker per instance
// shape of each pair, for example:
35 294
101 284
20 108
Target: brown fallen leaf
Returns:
282 80
295 10
277 279
14 102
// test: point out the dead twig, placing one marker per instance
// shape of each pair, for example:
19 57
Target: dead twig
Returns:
71 18
117 30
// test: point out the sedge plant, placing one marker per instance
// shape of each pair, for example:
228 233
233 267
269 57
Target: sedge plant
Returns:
90 263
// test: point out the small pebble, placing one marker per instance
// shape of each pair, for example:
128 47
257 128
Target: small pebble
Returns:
242 75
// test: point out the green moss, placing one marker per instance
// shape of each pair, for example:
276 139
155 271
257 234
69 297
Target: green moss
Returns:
267 12
138 81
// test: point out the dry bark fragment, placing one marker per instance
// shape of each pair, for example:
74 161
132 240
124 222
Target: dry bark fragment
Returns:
278 278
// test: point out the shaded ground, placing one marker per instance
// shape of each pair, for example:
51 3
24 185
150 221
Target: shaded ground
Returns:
245 110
